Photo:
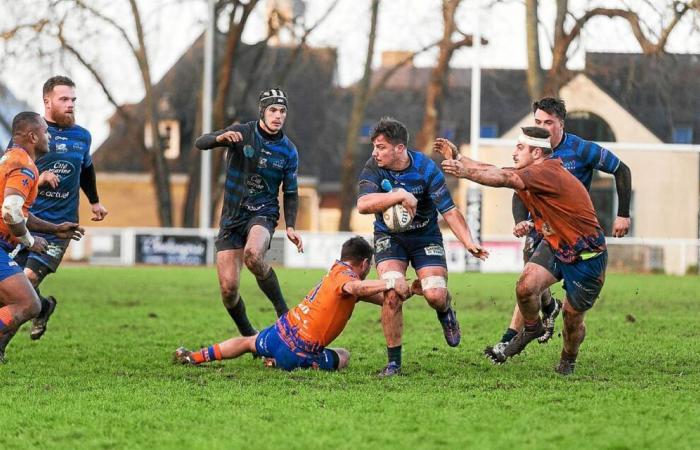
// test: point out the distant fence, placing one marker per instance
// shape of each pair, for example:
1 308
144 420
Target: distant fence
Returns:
186 246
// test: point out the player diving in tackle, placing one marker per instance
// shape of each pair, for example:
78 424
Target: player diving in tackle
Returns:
300 338
563 213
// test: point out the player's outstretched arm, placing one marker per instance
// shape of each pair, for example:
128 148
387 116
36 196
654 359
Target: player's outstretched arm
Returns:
455 220
367 289
485 174
65 230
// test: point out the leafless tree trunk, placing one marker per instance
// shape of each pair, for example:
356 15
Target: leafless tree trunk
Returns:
435 91
161 174
359 103
534 66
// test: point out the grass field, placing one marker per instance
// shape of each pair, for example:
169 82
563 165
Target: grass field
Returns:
102 375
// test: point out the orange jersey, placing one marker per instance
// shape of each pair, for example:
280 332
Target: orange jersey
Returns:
17 171
324 312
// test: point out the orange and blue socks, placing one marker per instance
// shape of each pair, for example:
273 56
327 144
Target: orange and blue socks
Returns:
7 322
206 354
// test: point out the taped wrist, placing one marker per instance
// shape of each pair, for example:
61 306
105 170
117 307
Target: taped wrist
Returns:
27 240
12 209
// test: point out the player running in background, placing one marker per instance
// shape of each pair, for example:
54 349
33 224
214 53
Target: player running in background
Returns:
415 182
574 242
18 190
260 157
64 171
300 338
581 158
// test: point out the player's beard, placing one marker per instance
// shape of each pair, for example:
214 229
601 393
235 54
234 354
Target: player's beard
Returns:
64 120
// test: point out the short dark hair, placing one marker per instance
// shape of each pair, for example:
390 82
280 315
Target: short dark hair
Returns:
25 121
393 130
58 80
356 249
551 106
539 133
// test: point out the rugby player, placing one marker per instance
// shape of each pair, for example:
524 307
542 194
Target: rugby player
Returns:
581 158
260 157
396 175
64 171
300 338
573 240
18 190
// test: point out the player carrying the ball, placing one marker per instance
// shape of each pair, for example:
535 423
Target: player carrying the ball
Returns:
415 182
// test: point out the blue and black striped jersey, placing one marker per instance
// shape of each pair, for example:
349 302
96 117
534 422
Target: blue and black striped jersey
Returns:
582 157
423 179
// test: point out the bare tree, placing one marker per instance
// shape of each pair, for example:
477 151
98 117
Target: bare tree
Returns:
652 40
359 104
435 91
52 25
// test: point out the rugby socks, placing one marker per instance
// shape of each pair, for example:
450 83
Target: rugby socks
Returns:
394 354
206 354
239 316
7 322
271 287
509 335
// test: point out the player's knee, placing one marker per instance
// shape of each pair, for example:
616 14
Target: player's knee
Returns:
229 294
32 276
524 289
436 297
254 261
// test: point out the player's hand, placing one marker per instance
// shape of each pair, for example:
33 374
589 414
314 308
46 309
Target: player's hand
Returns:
454 167
410 202
446 148
40 245
522 228
49 178
295 238
402 289
69 230
477 251
621 226
229 137
99 212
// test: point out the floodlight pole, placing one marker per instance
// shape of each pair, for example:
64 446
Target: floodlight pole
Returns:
474 191
205 174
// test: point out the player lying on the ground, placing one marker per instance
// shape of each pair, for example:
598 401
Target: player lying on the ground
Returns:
574 243
299 338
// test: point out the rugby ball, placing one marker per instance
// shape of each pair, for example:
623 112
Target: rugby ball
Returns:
397 218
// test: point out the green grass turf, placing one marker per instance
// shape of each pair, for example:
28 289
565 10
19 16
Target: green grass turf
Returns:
102 375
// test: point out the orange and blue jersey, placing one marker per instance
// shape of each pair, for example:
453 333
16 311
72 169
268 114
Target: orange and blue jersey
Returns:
17 171
322 315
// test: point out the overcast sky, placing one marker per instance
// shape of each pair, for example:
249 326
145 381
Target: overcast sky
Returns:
403 25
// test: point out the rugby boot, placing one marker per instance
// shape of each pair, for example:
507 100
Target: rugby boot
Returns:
519 342
390 370
39 323
450 327
495 353
548 321
183 356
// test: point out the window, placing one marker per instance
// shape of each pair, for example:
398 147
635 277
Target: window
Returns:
488 130
682 135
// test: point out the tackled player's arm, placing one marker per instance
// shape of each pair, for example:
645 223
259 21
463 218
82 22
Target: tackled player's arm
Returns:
372 290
